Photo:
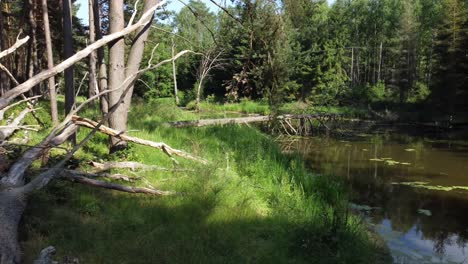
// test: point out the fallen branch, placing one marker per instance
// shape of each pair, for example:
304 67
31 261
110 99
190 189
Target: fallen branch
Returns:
77 177
2 112
16 172
125 165
7 131
80 121
118 177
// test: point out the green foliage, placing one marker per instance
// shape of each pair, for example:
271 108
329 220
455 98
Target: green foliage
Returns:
378 92
419 93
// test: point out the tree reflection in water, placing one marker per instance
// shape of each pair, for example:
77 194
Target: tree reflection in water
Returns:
362 163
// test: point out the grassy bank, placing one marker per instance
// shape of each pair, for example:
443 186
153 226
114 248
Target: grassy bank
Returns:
262 108
250 204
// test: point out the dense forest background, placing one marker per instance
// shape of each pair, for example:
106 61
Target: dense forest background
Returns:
354 52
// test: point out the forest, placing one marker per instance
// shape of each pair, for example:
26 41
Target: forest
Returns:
126 137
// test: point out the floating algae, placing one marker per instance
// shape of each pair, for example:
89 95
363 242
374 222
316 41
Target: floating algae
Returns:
391 162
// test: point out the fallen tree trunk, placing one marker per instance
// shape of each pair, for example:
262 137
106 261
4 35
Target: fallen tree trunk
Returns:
242 120
80 121
125 165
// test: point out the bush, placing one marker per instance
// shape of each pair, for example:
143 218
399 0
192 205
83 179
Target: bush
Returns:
419 93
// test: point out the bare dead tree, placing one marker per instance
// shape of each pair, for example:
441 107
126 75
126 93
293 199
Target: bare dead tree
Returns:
210 61
93 85
50 64
174 74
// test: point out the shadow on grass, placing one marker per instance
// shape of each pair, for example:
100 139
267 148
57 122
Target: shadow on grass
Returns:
103 227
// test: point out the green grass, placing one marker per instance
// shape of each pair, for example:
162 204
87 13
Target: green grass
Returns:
250 204
254 107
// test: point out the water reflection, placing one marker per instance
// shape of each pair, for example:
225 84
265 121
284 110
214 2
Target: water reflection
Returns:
419 225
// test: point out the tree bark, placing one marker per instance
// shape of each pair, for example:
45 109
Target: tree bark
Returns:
92 87
102 84
68 52
174 74
3 77
117 119
50 64
32 52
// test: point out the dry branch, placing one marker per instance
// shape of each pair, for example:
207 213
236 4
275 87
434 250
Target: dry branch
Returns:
80 121
44 75
118 177
2 112
79 178
18 43
15 176
125 165
7 131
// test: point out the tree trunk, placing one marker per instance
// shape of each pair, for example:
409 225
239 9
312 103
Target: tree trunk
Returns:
68 52
352 66
380 63
104 99
50 63
199 86
3 77
32 53
92 87
118 119
12 205
174 74
116 72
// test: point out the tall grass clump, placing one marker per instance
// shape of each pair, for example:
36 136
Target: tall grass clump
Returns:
250 204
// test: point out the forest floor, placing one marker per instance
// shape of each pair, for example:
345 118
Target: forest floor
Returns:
249 204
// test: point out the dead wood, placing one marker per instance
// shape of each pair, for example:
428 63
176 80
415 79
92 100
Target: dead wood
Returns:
125 165
7 131
80 121
44 75
18 43
45 257
241 120
118 177
2 112
15 176
79 178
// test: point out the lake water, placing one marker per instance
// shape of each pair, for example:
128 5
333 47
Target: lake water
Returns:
412 190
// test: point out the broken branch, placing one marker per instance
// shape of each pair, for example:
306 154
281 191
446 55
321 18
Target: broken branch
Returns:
80 121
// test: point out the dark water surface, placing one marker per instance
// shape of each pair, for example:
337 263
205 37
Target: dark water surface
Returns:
413 190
